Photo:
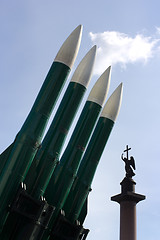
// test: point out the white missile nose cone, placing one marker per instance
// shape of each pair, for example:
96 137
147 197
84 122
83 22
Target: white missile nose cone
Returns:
84 70
69 50
100 89
112 106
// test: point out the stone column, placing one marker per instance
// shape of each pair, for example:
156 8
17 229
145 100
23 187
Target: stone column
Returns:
128 200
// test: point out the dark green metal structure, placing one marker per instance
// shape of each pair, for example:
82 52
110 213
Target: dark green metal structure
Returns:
41 197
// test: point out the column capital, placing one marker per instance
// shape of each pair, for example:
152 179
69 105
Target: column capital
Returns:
128 192
128 196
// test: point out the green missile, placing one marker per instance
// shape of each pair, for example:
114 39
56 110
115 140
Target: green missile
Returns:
64 174
82 184
30 135
46 158
48 155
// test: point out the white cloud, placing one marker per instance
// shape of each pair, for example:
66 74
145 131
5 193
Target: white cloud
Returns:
115 47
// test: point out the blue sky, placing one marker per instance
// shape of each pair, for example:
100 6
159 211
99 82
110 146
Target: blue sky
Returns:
127 34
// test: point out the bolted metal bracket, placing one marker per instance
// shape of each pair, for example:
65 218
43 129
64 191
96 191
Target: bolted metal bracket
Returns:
33 215
63 229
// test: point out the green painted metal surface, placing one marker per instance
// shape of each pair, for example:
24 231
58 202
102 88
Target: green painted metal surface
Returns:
46 158
65 173
82 184
4 156
29 137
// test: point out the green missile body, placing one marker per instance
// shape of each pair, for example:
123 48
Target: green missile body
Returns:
30 135
65 173
82 184
46 158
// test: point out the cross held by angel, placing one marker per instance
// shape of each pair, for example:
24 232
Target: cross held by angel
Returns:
129 164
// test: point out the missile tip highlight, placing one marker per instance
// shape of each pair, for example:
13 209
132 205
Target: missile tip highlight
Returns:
99 91
69 50
84 70
112 106
94 47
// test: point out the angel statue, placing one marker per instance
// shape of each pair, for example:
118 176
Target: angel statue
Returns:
129 164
